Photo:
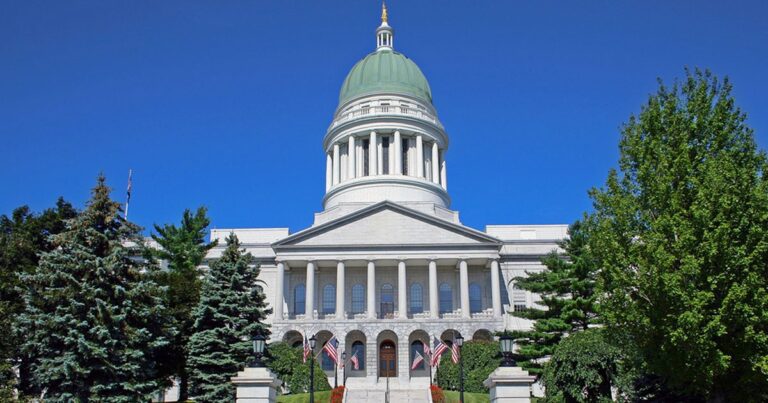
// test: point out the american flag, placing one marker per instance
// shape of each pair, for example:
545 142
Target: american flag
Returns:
417 360
426 349
307 350
354 361
438 350
455 352
332 349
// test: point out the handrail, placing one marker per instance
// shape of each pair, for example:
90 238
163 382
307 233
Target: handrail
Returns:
384 109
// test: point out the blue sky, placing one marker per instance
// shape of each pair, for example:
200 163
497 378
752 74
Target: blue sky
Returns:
225 104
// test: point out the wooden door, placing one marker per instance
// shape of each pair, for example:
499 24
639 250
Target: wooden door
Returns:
387 360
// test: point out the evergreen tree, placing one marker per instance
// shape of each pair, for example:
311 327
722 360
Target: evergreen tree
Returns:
94 318
567 290
230 313
682 235
23 237
184 247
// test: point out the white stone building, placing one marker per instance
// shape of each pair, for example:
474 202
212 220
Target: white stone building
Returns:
387 264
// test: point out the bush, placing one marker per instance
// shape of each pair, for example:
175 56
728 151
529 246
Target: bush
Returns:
480 358
337 394
437 394
286 362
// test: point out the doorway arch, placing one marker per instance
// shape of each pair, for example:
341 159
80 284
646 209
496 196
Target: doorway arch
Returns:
387 359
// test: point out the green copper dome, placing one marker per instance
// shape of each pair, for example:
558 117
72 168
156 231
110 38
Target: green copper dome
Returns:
385 71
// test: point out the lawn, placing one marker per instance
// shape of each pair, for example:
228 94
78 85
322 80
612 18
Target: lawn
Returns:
320 397
452 396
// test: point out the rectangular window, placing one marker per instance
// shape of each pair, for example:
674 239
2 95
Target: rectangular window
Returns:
405 156
385 155
366 156
519 299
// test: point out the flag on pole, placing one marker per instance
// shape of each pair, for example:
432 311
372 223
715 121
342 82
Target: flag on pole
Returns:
355 362
455 352
307 350
417 360
332 349
438 349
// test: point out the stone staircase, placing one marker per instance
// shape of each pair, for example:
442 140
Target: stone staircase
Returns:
361 390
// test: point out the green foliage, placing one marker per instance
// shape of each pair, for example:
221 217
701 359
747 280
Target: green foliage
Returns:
480 358
23 237
94 319
286 362
682 234
231 311
184 247
567 290
582 369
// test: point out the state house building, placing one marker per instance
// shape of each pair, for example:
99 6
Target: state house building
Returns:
387 264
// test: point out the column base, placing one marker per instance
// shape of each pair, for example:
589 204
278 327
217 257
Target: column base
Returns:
256 385
510 385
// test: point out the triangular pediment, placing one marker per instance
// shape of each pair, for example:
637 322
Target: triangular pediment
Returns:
387 223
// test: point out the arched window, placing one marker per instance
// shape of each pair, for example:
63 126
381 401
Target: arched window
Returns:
326 362
358 349
446 298
299 299
358 298
387 300
329 299
475 298
418 346
417 298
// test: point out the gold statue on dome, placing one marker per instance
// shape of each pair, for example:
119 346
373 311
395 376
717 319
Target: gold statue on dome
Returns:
383 12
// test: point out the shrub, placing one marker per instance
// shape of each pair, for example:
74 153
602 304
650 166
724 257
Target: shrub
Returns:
286 362
480 358
337 394
437 394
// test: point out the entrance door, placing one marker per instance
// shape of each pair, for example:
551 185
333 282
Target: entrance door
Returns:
387 361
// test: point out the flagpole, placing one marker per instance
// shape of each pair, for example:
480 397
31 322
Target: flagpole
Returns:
128 194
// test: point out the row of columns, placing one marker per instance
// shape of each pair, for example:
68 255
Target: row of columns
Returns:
402 298
333 168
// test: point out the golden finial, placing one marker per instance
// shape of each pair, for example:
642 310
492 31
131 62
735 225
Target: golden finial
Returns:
383 12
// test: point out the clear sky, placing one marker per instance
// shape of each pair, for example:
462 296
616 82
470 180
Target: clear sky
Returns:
225 103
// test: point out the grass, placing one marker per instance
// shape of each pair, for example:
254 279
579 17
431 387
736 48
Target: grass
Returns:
320 397
452 396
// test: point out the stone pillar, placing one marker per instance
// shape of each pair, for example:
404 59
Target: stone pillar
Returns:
328 171
510 385
420 156
398 147
435 163
371 289
351 158
443 175
340 291
464 288
373 152
256 385
402 303
310 296
336 163
279 284
434 305
495 289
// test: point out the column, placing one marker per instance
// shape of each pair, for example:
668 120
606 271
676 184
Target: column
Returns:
310 296
443 176
495 295
328 171
373 152
419 156
279 281
336 163
434 306
435 163
398 154
464 288
402 304
351 158
371 289
340 291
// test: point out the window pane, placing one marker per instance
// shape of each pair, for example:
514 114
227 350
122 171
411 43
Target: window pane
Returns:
446 298
329 299
327 362
358 298
387 300
299 299
385 155
417 298
366 156
405 156
475 298
417 346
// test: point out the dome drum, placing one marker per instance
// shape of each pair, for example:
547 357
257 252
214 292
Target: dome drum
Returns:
388 187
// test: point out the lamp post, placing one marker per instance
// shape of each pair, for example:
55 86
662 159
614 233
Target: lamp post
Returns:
344 367
259 341
459 342
312 343
506 344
